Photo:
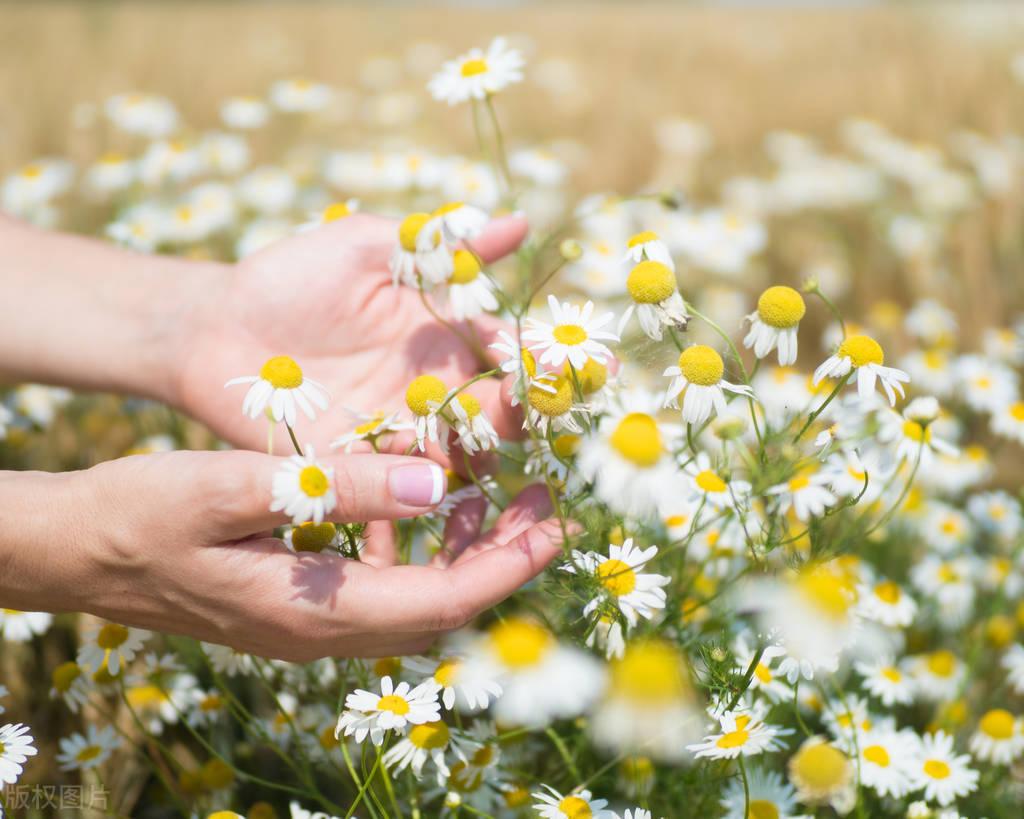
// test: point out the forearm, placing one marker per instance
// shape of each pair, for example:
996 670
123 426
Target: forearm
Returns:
81 313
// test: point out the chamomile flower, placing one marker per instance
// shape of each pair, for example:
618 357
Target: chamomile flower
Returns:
423 396
552 405
575 335
142 114
111 648
471 425
648 246
886 603
986 385
520 363
419 261
886 681
886 761
303 488
944 774
656 300
428 741
937 675
21 626
369 714
629 456
999 737
1013 662
912 433
697 379
81 752
622 582
333 212
775 323
742 733
449 674
15 749
312 537
579 804
227 661
477 74
281 387
369 427
1008 421
470 293
709 485
864 356
821 773
244 113
806 493
299 95
949 583
457 222
765 795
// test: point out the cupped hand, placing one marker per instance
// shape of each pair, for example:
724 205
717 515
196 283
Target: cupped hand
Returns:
325 298
182 543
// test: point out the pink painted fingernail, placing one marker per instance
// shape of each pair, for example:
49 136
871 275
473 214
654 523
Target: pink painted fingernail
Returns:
417 484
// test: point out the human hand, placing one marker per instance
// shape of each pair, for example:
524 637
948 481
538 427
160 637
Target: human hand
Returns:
325 298
182 543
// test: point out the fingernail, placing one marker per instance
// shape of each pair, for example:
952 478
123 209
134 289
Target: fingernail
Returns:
417 484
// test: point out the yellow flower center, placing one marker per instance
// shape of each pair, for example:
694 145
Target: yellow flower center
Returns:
861 350
410 229
88 754
733 739
763 673
821 766
520 643
570 334
781 307
145 696
709 481
313 482
878 755
650 672
368 427
701 365
387 666
466 267
1017 411
942 663
517 797
32 171
798 483
282 373
650 282
826 591
997 723
471 68
552 404
642 238
936 768
424 389
887 592
65 675
211 703
313 537
763 809
529 362
638 439
429 736
111 636
591 377
617 577
447 672
575 808
917 433
566 445
216 775
469 404
336 211
393 703
891 674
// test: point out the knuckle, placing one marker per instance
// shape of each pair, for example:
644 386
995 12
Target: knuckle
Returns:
348 490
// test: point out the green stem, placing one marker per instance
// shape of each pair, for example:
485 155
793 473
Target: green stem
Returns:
814 415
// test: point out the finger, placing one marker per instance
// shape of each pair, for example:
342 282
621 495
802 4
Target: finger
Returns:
245 492
496 400
463 527
528 508
501 237
381 548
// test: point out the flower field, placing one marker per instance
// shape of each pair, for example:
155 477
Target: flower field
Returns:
761 349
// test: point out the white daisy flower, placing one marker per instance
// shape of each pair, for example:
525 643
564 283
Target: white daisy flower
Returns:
552 405
72 684
312 537
657 301
299 95
766 793
937 675
209 707
420 260
698 380
333 212
576 805
707 484
999 737
884 680
423 396
622 583
111 647
764 678
370 714
471 425
303 489
942 772
111 173
574 337
428 741
912 433
648 246
1013 662
520 363
848 473
457 221
369 427
281 386
143 114
608 636
865 356
806 492
742 734
81 752
470 293
949 582
449 674
477 74
1008 421
886 761
986 385
775 323
244 113
21 626
227 661
15 749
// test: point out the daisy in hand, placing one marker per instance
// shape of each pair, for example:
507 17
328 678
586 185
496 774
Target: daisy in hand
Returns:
863 355
281 386
575 336
698 379
303 489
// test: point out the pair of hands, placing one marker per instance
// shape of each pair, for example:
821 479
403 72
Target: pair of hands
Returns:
182 542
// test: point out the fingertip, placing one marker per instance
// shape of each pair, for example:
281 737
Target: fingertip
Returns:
501 236
417 482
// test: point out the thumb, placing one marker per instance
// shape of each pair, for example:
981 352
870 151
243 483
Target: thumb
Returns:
259 492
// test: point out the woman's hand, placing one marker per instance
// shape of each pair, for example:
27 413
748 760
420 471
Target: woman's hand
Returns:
182 543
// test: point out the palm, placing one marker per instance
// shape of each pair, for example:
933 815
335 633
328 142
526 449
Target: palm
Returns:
325 298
